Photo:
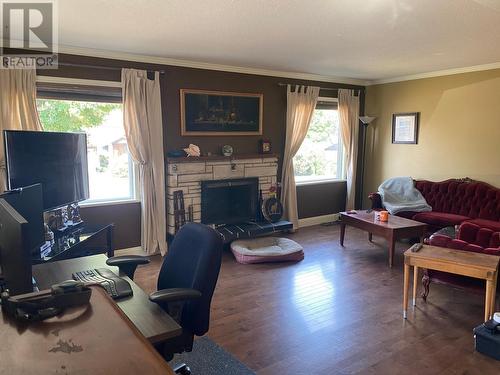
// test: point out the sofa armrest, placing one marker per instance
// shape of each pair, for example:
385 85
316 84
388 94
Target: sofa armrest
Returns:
439 240
376 201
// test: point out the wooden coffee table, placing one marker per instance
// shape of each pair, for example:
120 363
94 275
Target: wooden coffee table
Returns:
459 262
394 229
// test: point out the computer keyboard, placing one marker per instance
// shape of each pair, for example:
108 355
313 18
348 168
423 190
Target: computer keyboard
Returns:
114 285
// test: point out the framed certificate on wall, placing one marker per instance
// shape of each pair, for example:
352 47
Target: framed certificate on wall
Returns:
405 128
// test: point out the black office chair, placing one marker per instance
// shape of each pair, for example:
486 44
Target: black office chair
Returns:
186 283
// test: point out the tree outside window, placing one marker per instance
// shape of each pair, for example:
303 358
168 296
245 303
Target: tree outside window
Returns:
320 155
110 165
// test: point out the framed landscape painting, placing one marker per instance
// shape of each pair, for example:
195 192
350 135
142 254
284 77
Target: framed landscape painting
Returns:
220 113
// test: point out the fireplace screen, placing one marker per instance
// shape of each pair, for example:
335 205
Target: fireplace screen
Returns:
229 201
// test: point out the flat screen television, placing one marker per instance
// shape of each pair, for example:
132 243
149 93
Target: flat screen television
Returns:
58 161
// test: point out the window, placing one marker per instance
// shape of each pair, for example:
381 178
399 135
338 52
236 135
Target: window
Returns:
111 173
320 155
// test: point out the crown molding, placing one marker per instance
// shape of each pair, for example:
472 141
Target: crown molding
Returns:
208 66
437 73
158 60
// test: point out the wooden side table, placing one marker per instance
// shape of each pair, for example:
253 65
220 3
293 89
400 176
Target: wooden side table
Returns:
465 263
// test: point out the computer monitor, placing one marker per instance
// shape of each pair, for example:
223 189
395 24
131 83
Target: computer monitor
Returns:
15 255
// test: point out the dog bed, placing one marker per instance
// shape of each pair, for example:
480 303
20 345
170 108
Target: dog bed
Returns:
266 249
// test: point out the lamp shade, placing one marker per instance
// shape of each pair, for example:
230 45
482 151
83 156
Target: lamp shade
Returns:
366 120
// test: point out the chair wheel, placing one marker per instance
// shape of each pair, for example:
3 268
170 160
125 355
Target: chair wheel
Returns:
183 370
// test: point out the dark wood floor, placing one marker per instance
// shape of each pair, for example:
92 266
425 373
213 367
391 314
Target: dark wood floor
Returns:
339 311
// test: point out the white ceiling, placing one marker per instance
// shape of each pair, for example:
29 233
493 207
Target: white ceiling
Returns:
365 39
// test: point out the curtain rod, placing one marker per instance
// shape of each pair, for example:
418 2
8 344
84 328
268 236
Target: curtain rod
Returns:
100 67
321 88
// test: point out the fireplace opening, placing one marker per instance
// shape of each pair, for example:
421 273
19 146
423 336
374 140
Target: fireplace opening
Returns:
229 201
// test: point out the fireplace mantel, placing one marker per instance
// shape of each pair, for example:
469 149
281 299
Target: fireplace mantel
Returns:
186 174
197 159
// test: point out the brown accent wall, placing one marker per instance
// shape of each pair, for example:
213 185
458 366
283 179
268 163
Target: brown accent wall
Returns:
175 78
127 220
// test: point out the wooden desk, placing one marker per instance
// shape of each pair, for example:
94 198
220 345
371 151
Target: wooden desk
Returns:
394 229
466 263
95 339
154 323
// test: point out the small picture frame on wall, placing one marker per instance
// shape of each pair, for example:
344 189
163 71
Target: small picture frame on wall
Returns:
405 128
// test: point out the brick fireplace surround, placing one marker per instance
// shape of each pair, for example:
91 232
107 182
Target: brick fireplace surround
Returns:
186 173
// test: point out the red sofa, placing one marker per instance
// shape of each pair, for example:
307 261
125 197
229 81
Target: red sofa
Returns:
470 237
453 202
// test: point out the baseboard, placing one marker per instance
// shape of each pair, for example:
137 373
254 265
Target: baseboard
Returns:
316 220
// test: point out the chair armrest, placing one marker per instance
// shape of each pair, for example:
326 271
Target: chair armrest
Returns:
127 263
174 294
376 201
439 240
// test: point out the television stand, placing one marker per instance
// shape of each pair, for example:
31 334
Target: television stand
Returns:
77 241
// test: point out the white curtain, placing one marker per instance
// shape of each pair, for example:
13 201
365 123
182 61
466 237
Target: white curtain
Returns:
144 131
299 110
17 107
349 130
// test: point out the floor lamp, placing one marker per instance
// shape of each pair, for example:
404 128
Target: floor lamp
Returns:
365 120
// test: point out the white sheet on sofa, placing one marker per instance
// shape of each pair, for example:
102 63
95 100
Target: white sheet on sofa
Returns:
399 194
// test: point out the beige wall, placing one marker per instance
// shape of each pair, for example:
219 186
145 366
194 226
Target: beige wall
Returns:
459 132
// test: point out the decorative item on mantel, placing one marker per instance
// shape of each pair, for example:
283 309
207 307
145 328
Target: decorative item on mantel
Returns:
176 154
227 150
264 146
192 150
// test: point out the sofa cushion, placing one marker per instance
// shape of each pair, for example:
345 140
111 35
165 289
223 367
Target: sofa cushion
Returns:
474 234
468 232
489 201
407 214
439 218
483 223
